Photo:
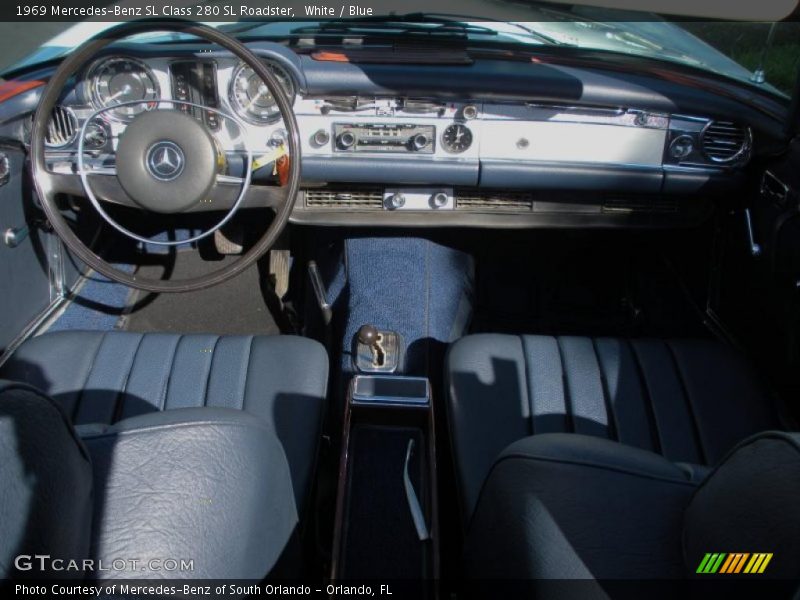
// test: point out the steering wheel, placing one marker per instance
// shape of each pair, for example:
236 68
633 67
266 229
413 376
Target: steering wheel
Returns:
166 162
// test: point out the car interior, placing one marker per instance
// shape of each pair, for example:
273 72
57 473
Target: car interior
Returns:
382 302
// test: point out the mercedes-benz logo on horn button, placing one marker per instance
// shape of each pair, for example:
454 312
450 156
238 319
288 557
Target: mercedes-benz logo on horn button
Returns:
165 160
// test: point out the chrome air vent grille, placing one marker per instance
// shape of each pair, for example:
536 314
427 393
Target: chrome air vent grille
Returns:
62 128
371 198
725 142
493 200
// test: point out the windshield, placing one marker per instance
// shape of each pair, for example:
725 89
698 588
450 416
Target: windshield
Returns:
761 54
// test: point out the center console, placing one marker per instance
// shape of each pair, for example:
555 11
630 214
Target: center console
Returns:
386 526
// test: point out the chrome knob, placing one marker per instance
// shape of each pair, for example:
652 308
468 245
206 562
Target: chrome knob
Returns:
395 201
469 112
439 200
321 137
346 140
419 141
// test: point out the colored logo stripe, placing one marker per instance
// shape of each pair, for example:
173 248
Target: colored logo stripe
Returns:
758 563
734 562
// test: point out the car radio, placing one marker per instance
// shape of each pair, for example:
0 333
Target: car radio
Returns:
384 137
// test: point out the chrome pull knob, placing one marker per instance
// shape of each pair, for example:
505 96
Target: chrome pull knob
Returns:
395 201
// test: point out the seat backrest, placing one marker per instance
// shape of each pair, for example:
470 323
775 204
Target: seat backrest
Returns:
46 483
745 517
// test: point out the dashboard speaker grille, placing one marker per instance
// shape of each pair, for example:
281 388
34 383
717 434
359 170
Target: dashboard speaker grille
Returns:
493 200
62 128
371 198
725 141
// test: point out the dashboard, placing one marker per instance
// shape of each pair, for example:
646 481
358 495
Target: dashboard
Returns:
377 156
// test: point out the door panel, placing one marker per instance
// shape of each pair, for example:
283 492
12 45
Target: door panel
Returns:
24 269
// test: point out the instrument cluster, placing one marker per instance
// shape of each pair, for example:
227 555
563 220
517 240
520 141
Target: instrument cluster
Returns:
136 85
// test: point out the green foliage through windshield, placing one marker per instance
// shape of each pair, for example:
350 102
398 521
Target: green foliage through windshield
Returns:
744 43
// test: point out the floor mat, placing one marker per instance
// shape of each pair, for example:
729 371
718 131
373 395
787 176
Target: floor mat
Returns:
234 307
97 304
379 539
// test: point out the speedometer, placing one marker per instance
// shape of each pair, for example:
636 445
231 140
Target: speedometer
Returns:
251 98
119 80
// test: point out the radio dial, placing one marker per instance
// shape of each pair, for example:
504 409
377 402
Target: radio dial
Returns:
419 141
346 140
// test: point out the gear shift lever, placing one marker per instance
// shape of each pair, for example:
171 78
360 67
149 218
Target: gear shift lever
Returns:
376 350
368 334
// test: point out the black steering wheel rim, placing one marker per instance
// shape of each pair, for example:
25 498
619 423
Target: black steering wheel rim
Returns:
43 182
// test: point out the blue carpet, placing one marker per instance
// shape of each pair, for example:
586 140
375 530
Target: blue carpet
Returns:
415 287
97 305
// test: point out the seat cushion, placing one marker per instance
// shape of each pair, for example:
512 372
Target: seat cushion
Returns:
749 504
45 484
689 400
564 506
103 377
210 485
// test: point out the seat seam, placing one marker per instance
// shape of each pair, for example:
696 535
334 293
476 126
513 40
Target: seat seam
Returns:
210 370
528 391
695 426
155 428
591 465
79 400
246 371
648 398
565 385
611 416
120 402
165 391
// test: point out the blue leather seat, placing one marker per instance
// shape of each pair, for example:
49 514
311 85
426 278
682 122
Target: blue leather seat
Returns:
688 400
100 378
189 446
580 458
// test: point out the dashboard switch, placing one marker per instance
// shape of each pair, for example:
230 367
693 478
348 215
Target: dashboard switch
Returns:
321 138
439 200
470 112
395 201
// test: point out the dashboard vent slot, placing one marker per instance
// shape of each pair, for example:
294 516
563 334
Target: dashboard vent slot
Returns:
725 142
640 204
493 200
62 128
371 198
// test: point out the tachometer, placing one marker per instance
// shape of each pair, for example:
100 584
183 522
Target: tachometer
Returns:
251 98
118 80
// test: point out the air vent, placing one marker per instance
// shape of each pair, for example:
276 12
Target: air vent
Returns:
370 198
622 204
62 128
493 200
725 142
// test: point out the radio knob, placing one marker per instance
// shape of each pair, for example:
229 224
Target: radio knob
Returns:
346 140
395 201
321 138
439 200
419 141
